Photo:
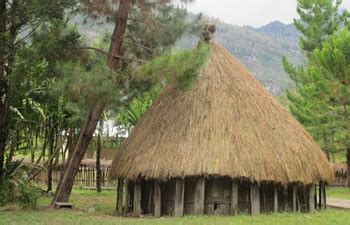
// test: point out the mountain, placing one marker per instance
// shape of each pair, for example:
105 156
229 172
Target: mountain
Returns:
280 30
260 50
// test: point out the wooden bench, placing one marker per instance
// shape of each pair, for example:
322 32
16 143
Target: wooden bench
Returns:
60 205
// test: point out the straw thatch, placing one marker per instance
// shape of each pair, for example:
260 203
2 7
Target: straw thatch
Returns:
227 124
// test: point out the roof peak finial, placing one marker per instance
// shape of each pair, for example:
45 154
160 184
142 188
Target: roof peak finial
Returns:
208 32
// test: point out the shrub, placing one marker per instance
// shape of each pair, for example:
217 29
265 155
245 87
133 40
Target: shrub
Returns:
6 192
28 195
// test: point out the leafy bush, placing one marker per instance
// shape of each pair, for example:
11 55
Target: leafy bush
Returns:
16 186
5 192
28 195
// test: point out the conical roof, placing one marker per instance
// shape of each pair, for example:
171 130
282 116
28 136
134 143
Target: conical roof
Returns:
226 124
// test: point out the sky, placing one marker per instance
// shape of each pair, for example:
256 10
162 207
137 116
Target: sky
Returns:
250 12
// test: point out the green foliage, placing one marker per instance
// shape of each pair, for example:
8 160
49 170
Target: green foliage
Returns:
6 192
318 20
318 98
321 99
132 113
28 195
16 186
180 68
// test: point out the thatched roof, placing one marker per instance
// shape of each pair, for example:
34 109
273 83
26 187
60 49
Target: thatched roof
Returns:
226 124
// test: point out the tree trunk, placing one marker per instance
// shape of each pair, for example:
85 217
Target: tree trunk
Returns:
51 154
98 157
67 180
115 49
3 88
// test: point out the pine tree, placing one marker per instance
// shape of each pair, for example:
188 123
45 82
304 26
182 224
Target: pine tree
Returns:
332 64
318 20
309 101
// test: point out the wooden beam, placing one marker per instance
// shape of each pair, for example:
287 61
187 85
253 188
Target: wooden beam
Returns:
324 196
234 198
254 199
120 191
322 192
275 198
137 199
157 199
294 196
199 196
179 197
126 196
311 198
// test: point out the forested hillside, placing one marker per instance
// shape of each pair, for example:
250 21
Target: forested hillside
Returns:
261 50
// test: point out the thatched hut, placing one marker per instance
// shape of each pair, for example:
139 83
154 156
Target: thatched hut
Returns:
224 146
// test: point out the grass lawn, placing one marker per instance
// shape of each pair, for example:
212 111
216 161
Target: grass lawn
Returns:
338 192
93 208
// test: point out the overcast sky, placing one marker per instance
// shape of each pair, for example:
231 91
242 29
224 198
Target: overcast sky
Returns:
250 12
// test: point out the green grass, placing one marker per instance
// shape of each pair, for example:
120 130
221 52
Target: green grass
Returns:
93 208
338 192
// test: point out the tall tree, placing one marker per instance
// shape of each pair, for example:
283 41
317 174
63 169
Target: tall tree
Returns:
124 58
19 20
332 63
319 19
66 182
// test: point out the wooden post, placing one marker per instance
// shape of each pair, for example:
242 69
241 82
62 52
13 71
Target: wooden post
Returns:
234 198
126 196
254 199
157 199
150 197
199 196
119 207
311 198
322 203
137 199
275 198
324 196
294 193
179 197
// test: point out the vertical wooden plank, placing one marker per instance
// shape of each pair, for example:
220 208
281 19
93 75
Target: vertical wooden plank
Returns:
294 196
120 196
234 198
311 198
179 197
254 199
324 196
126 196
137 199
157 199
275 198
199 196
322 203
150 197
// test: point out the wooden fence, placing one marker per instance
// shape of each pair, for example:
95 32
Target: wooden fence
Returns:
340 178
85 178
